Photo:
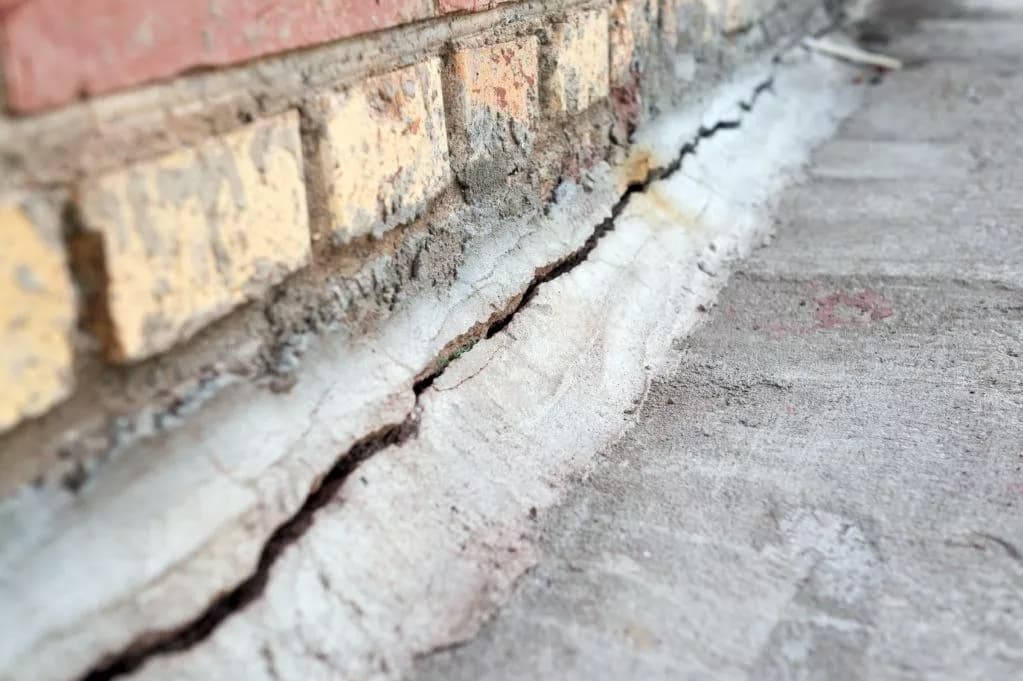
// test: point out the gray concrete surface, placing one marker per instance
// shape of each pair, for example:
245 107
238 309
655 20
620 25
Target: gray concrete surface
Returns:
830 484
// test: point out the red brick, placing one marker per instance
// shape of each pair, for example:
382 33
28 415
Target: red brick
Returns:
56 50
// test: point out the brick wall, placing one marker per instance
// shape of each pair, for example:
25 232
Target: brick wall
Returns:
166 162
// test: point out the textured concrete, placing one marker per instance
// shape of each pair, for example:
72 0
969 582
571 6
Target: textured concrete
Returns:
829 484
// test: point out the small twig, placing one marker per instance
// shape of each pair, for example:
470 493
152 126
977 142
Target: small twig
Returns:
852 53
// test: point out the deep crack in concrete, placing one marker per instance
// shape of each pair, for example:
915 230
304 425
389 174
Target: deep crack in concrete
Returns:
183 637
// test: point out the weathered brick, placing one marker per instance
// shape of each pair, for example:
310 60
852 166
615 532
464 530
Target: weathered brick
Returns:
36 316
732 16
492 105
576 68
498 81
630 31
468 5
190 235
630 28
382 152
685 24
56 50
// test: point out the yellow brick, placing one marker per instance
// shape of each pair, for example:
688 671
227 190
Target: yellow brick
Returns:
577 75
36 316
492 106
498 79
670 14
383 152
189 236
734 15
631 22
686 24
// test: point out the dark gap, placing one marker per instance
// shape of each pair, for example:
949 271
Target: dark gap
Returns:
608 224
192 632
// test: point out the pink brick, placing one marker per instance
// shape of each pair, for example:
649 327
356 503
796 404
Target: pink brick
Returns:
56 50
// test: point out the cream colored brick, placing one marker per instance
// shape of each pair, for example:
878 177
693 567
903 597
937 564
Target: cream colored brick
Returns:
686 24
492 106
497 79
383 152
670 16
732 16
577 68
37 311
630 29
189 236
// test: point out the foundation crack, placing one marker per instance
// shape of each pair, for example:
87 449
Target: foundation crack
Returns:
608 225
196 630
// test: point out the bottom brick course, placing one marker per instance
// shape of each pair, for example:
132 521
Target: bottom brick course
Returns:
382 152
188 236
37 309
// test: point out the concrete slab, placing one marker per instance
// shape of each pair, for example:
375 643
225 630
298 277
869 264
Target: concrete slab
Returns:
828 485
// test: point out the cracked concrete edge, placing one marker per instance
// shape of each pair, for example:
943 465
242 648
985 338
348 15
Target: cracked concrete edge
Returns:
424 541
177 520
